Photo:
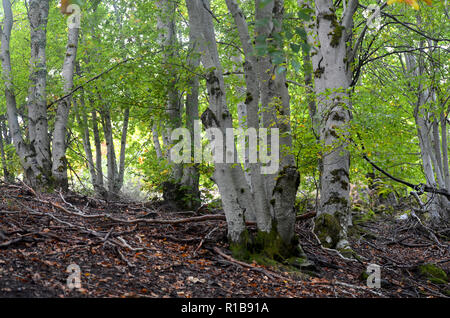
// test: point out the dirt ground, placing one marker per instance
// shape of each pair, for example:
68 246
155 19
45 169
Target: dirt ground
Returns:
136 250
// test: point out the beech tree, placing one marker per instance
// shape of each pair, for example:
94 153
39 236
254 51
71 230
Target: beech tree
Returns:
41 172
271 196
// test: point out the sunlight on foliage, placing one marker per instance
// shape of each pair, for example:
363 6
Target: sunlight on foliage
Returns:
412 3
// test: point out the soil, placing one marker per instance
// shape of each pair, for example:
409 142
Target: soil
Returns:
129 249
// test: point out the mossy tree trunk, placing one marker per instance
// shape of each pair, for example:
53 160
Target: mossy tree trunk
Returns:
329 38
181 189
268 197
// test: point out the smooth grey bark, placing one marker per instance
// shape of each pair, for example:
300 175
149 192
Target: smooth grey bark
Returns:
434 167
243 119
123 144
445 158
191 176
37 106
267 199
27 154
115 172
234 191
168 41
329 38
6 174
59 164
274 193
5 140
81 116
110 151
156 143
95 171
98 148
312 107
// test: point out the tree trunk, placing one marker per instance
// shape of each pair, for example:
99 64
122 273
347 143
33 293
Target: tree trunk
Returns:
98 149
156 143
229 177
118 183
329 38
110 151
59 166
191 176
82 118
37 101
36 168
273 206
429 141
172 191
6 174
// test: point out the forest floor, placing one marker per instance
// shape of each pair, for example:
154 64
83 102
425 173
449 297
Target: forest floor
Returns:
136 250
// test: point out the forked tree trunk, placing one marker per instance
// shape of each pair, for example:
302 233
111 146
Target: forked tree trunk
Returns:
35 155
271 202
115 171
434 162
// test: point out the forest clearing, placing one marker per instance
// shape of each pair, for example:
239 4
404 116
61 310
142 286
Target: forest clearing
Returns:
224 149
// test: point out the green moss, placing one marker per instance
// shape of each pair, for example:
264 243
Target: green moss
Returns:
249 98
363 277
337 117
348 252
338 175
336 34
328 230
278 189
241 250
337 200
266 248
318 72
433 273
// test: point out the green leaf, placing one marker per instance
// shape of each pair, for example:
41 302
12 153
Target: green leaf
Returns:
301 32
304 14
305 47
296 65
295 47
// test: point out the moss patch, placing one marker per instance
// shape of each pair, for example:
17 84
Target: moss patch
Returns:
269 249
336 34
433 273
328 230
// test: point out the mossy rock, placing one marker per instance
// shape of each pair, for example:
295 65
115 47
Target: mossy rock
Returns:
433 273
328 230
